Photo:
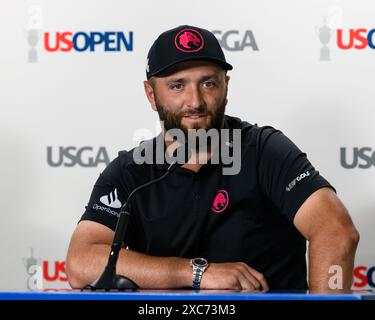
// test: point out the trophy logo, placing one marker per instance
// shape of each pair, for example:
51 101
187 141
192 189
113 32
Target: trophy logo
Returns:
32 39
331 22
325 34
33 31
34 270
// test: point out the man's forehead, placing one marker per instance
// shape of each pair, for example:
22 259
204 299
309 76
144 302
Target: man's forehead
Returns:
184 68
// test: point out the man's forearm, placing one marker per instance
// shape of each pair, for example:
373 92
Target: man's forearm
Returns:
324 254
146 271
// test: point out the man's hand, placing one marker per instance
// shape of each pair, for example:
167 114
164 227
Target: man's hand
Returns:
235 276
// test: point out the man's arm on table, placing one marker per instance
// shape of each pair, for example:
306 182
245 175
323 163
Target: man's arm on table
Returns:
325 222
88 254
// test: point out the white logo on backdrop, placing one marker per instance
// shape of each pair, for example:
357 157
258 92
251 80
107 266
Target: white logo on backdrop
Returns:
34 270
147 66
34 30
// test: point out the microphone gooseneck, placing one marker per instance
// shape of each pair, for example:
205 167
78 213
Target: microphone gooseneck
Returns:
109 280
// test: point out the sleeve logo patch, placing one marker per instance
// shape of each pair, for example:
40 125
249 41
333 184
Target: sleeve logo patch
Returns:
295 180
111 200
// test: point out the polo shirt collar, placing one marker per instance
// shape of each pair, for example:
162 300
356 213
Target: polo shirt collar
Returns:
159 139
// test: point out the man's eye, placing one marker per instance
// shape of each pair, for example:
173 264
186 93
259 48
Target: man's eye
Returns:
176 86
209 84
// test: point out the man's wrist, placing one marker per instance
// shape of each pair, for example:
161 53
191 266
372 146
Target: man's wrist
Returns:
182 270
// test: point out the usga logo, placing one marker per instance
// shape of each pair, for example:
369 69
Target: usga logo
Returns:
72 156
66 41
362 158
234 40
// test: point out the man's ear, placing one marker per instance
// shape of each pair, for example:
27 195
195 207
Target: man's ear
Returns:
149 90
227 79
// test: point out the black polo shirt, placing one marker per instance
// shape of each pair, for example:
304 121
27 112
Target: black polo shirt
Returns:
247 217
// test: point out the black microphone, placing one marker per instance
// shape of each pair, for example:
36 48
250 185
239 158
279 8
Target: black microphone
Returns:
109 280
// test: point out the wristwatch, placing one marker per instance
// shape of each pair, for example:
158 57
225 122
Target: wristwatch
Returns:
199 265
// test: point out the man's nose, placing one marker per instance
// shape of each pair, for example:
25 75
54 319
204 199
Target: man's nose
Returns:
195 98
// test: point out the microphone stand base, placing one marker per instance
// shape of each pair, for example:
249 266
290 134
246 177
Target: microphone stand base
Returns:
119 283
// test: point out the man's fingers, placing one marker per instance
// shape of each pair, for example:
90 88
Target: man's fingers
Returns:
259 277
247 282
237 276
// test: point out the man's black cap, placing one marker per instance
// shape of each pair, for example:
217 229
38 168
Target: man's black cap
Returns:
182 44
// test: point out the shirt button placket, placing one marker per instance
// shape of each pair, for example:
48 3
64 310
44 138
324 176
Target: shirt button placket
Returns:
196 194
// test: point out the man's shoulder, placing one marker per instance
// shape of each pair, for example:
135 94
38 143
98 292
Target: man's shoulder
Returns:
143 153
251 134
127 158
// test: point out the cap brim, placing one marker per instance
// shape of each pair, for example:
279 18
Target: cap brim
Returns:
225 65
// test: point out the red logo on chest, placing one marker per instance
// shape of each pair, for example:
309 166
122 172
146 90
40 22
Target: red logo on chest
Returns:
220 202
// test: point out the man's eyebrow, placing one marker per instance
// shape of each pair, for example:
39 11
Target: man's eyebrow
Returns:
213 76
183 80
180 80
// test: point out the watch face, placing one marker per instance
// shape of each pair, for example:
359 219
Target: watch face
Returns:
200 262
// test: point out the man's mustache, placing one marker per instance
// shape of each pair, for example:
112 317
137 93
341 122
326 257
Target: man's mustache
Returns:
195 113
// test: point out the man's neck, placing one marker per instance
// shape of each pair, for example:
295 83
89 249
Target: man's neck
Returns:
198 159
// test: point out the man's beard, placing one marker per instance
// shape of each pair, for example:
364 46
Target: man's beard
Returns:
174 120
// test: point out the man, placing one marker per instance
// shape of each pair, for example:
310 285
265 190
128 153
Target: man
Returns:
198 227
